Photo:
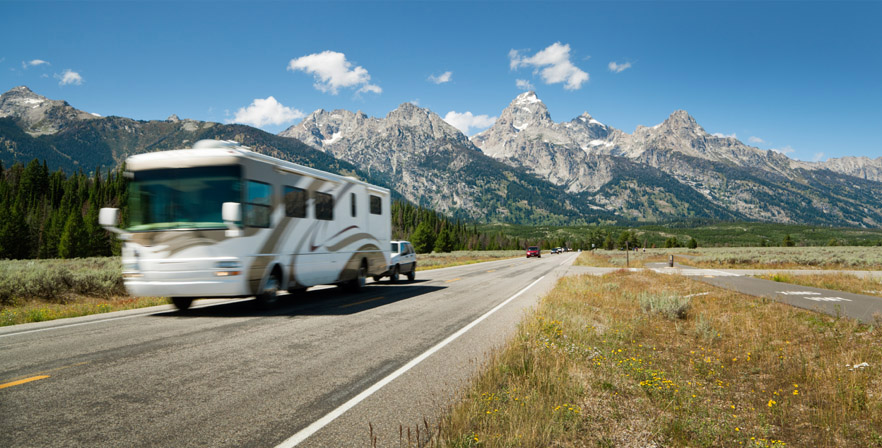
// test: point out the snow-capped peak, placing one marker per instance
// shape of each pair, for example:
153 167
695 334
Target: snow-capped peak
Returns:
526 98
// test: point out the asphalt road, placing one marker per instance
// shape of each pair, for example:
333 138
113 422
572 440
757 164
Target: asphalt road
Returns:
836 303
326 368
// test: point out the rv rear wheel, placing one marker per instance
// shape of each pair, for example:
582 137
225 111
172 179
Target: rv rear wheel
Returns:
269 295
358 282
412 274
182 303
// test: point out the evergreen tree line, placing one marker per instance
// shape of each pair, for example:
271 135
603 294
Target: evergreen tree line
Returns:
430 231
53 215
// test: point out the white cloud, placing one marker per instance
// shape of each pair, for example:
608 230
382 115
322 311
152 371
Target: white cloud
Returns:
721 135
33 63
785 150
753 139
553 64
69 77
523 84
619 68
442 78
262 112
415 102
332 71
466 121
817 157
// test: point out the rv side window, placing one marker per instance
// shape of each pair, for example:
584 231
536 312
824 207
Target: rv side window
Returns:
324 206
352 198
258 204
376 205
295 202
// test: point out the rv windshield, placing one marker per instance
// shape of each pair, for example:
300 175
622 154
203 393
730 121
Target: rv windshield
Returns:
182 198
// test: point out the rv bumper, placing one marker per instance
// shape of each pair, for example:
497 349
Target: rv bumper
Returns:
219 287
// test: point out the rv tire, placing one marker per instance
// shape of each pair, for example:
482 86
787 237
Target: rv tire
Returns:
182 303
269 295
357 283
412 274
378 278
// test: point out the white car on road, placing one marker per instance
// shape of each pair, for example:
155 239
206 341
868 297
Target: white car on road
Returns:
403 261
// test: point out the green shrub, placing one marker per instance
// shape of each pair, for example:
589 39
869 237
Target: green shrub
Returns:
669 305
57 280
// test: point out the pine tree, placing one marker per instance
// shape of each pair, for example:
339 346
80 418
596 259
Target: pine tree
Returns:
74 239
444 242
423 238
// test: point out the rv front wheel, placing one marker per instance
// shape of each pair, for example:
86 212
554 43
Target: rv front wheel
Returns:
270 292
182 303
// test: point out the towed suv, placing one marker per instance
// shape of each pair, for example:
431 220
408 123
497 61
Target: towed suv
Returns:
533 251
403 261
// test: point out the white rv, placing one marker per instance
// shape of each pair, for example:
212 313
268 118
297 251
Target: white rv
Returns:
219 220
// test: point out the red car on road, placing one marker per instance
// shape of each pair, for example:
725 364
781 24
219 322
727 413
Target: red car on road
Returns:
533 251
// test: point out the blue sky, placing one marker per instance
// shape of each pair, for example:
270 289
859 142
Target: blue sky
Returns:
801 77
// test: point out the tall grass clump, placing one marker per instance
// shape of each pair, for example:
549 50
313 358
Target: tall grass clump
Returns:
667 304
591 367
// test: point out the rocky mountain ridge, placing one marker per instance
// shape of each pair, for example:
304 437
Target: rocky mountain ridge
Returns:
38 115
524 169
672 170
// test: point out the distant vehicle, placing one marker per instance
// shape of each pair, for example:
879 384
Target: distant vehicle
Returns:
220 220
533 251
556 250
402 261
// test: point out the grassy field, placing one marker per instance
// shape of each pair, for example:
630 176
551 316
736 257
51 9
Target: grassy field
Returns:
457 258
618 258
832 257
834 281
642 359
708 234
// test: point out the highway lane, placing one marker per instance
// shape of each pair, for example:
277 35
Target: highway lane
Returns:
228 375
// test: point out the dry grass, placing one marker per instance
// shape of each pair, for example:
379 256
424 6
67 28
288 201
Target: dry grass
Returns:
458 258
618 258
38 310
594 367
824 257
835 281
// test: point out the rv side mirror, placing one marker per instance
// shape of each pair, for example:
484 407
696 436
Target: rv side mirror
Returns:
232 212
108 217
232 215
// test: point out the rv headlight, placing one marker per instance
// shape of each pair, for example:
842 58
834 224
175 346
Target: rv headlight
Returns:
231 264
227 264
131 267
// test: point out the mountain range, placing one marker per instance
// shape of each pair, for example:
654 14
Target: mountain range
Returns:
526 168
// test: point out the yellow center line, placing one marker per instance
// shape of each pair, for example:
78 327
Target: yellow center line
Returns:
26 380
492 270
453 280
363 301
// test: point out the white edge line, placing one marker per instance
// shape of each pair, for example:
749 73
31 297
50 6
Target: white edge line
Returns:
304 433
98 321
